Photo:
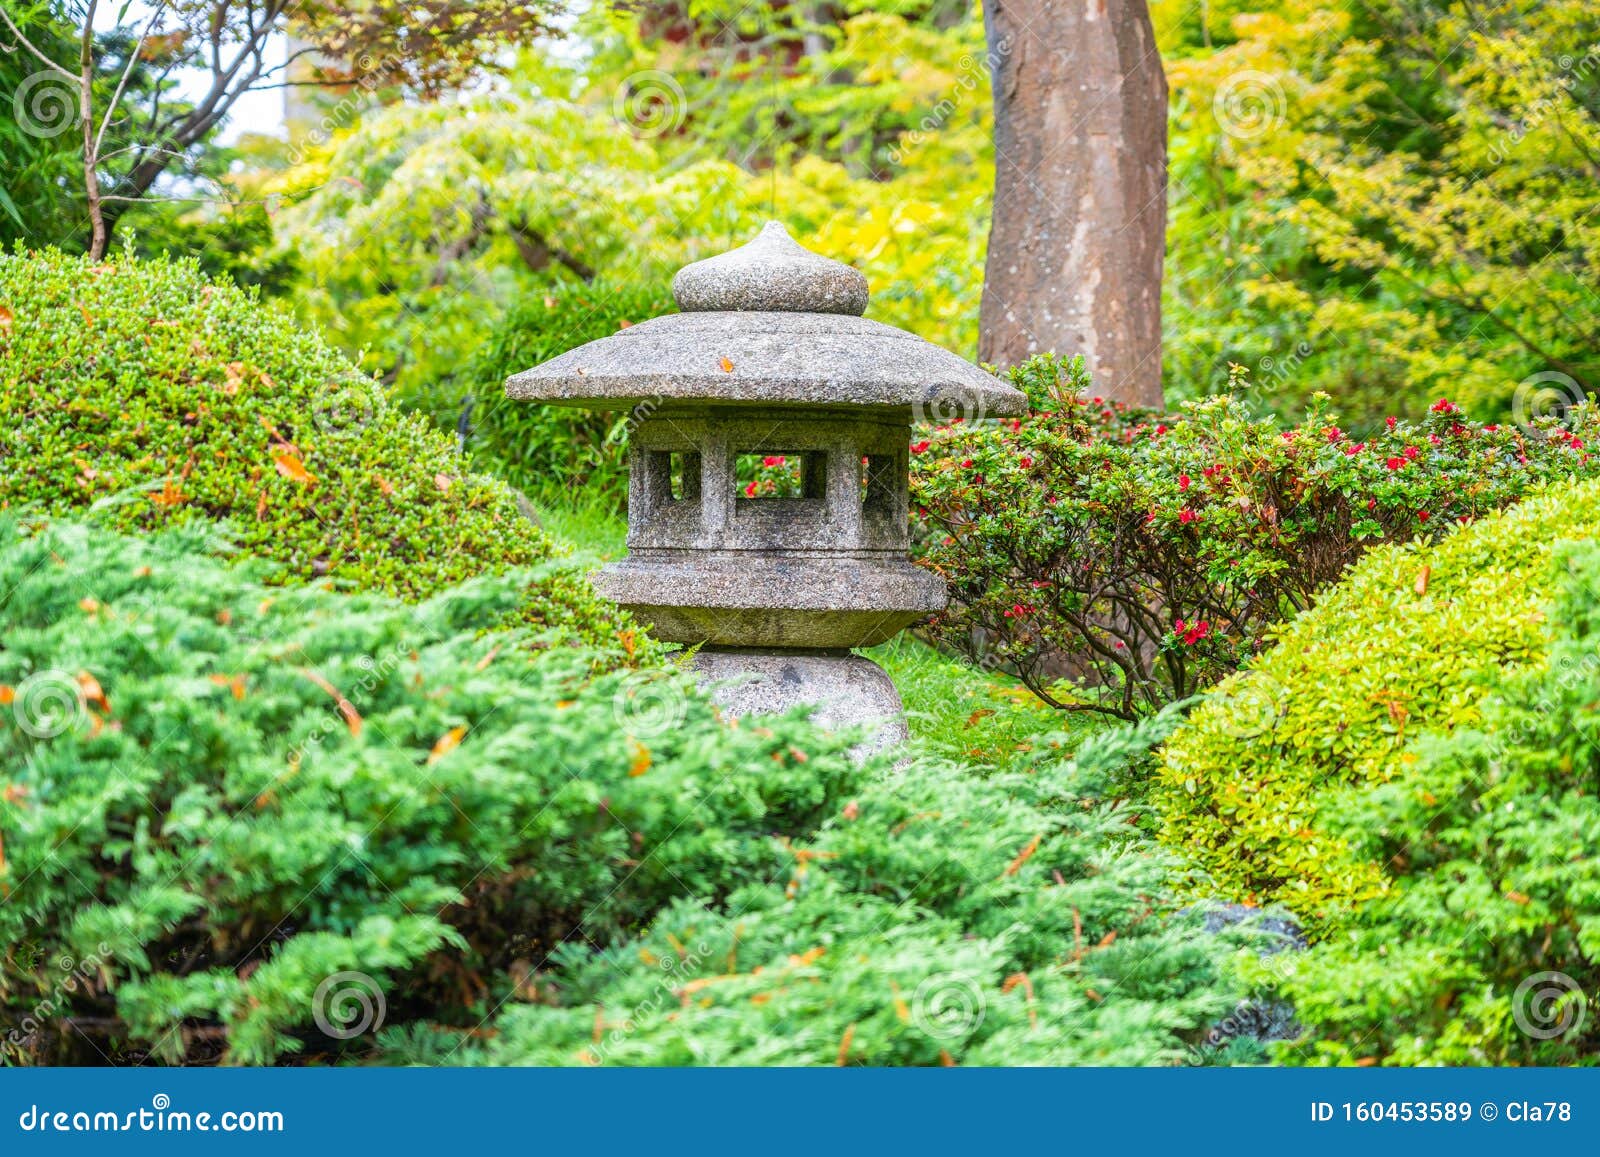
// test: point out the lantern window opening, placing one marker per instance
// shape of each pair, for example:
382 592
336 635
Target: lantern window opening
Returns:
781 475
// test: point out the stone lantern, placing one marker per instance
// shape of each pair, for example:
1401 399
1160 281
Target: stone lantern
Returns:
771 361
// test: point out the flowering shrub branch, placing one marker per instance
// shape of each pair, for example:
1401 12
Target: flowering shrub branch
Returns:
1116 559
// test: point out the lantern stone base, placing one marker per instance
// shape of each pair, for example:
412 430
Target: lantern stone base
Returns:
845 689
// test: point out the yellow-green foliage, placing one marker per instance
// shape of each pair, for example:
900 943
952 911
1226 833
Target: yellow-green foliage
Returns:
1400 646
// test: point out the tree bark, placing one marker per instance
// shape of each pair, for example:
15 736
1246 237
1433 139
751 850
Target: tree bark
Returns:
1080 204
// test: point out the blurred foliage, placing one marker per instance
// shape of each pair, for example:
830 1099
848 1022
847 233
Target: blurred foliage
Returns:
1390 202
554 452
223 797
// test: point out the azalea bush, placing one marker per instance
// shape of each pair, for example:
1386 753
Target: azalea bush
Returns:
1117 559
1260 784
218 795
156 395
1486 948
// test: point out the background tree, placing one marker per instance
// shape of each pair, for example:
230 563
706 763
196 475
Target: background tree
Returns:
423 48
1078 231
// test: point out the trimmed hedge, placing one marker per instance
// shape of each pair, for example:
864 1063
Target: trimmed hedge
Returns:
1251 786
546 449
1486 950
161 396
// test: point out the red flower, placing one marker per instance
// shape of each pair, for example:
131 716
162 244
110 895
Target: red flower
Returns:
966 463
1390 422
1025 462
1183 482
1422 516
1411 453
918 447
750 490
1187 516
1334 433
1443 406
1491 429
772 460
1394 463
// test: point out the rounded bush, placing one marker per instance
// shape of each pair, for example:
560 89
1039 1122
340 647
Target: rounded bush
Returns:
1401 646
161 396
543 449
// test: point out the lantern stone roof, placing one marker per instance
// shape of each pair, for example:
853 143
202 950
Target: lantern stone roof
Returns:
769 323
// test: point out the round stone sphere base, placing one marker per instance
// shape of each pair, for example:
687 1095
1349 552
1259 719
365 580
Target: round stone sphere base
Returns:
845 690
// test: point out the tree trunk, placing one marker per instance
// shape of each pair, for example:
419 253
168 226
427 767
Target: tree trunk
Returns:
1080 202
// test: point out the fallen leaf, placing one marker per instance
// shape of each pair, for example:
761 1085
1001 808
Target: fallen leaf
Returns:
442 481
1422 580
641 758
6 317
290 466
89 688
727 366
448 742
844 1045
1517 897
980 713
385 487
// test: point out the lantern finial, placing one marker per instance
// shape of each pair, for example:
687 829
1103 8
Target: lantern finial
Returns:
772 274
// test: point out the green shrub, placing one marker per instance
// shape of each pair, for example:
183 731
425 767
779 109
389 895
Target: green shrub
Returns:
1150 555
216 795
1486 950
1251 785
546 449
162 396
937 918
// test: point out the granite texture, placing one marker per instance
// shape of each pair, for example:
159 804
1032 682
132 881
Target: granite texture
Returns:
758 599
790 359
773 273
846 690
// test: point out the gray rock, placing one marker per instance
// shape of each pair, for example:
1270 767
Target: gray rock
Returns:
773 273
